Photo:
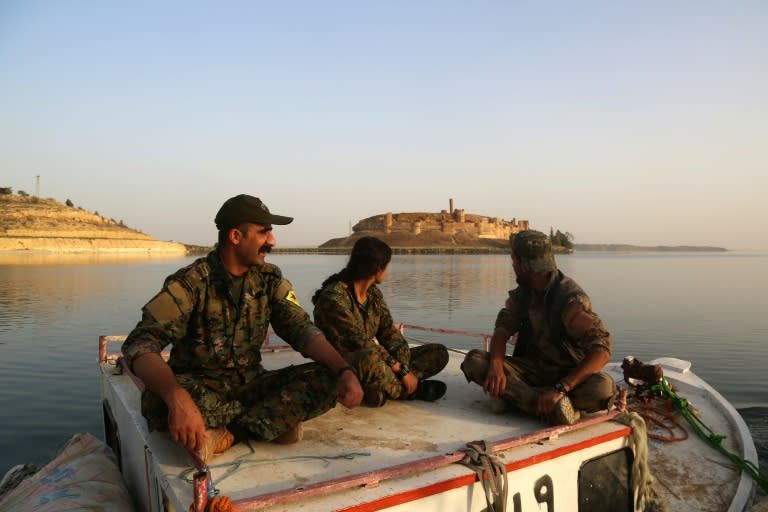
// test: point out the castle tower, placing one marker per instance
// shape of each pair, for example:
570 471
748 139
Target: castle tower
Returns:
450 206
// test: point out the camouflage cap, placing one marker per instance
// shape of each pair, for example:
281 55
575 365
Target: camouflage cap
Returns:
244 208
534 250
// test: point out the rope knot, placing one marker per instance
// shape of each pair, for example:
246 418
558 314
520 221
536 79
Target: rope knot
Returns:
490 471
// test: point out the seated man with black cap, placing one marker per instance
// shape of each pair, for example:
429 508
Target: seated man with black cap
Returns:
562 345
215 312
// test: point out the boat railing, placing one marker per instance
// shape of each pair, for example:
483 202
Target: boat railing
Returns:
485 338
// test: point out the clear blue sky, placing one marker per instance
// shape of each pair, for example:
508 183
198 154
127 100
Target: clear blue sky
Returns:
642 122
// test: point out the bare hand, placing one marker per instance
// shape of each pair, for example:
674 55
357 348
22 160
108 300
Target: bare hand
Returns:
185 423
350 391
495 379
547 402
410 382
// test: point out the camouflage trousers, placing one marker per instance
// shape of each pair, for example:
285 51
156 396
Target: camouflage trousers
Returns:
376 375
267 406
594 394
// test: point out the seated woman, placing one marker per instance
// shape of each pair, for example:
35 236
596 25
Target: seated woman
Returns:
351 311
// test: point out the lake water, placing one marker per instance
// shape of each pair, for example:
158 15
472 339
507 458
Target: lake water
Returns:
709 308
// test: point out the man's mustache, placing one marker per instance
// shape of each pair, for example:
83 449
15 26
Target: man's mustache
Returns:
265 248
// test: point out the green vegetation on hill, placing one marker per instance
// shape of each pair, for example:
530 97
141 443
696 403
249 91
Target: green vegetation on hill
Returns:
32 223
25 213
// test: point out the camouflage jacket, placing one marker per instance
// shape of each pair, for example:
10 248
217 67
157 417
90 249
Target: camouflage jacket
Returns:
540 324
349 327
211 332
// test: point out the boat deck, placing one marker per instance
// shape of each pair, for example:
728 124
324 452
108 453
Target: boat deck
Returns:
373 458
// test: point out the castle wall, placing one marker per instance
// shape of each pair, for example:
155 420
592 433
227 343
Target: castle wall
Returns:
450 223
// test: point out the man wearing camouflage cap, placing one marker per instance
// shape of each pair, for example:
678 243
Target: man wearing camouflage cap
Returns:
216 312
562 345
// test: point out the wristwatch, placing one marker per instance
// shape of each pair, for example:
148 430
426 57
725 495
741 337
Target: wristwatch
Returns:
560 388
404 370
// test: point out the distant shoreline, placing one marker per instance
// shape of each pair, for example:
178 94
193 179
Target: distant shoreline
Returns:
645 248
615 248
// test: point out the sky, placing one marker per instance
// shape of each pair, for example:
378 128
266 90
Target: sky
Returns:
619 122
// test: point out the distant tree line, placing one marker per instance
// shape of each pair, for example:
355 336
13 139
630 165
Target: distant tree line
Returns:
560 238
8 191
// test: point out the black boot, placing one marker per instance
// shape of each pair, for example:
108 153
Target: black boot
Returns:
430 390
373 398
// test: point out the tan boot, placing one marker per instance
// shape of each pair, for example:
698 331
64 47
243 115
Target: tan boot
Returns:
294 435
217 440
564 413
525 397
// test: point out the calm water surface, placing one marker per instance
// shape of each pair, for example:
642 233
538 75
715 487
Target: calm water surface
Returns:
709 308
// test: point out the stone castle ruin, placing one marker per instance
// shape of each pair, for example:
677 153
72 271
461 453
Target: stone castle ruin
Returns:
453 221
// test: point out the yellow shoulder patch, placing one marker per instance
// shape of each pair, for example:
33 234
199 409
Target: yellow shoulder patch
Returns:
285 291
291 297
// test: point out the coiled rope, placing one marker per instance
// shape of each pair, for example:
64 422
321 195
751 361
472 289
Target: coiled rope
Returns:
643 482
704 432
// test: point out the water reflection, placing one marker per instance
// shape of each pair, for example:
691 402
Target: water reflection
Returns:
446 291
710 310
37 290
89 258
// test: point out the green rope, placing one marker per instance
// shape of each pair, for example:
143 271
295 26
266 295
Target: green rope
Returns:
704 432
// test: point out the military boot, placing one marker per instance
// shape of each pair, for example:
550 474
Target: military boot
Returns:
430 390
374 398
564 413
525 398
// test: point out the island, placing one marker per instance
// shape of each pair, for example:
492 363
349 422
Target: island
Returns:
448 231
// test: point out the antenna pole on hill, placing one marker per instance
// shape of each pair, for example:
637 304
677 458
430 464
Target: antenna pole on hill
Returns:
37 186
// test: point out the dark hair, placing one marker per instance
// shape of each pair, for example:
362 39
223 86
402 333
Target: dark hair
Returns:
223 236
369 255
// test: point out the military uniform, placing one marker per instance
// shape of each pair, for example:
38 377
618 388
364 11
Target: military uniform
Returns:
351 328
216 338
545 352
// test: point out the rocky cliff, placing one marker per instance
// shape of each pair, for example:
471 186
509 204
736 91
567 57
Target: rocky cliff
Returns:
36 224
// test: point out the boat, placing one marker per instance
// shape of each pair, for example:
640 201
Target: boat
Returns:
455 454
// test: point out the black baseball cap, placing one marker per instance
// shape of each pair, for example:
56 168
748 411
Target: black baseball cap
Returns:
244 208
